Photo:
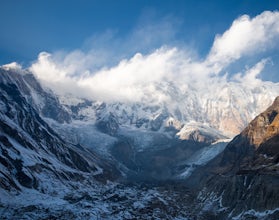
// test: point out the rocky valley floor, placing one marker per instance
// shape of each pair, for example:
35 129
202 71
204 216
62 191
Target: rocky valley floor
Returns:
122 201
104 202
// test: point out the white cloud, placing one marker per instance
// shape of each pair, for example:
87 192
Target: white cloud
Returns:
246 36
126 81
58 76
250 77
137 78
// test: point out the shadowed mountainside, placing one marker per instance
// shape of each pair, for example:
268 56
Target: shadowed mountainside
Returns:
245 176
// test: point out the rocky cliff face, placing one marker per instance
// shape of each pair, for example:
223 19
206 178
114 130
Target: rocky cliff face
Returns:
33 155
45 102
245 176
264 126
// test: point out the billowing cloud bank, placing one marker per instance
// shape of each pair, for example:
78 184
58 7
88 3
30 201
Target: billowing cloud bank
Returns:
134 79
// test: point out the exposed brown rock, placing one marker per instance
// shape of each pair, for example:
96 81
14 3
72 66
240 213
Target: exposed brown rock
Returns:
246 175
264 126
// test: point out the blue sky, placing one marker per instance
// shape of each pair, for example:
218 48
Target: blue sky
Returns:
120 49
31 26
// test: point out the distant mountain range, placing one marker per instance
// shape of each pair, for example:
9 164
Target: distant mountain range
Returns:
52 146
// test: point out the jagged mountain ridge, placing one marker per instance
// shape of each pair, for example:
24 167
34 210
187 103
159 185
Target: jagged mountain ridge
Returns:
264 126
43 100
219 109
226 107
243 179
33 154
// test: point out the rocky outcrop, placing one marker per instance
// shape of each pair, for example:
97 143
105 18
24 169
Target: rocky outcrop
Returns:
264 126
32 155
256 143
157 122
108 124
199 133
246 175
46 103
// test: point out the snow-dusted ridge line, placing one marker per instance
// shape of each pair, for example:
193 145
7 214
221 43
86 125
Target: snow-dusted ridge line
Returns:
228 109
226 106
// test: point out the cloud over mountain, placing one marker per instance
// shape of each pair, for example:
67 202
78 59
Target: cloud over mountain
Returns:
135 78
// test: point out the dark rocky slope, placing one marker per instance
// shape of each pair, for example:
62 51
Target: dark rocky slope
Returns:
32 154
244 179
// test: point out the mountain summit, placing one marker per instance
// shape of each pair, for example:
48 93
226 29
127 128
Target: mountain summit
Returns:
243 179
264 126
78 157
